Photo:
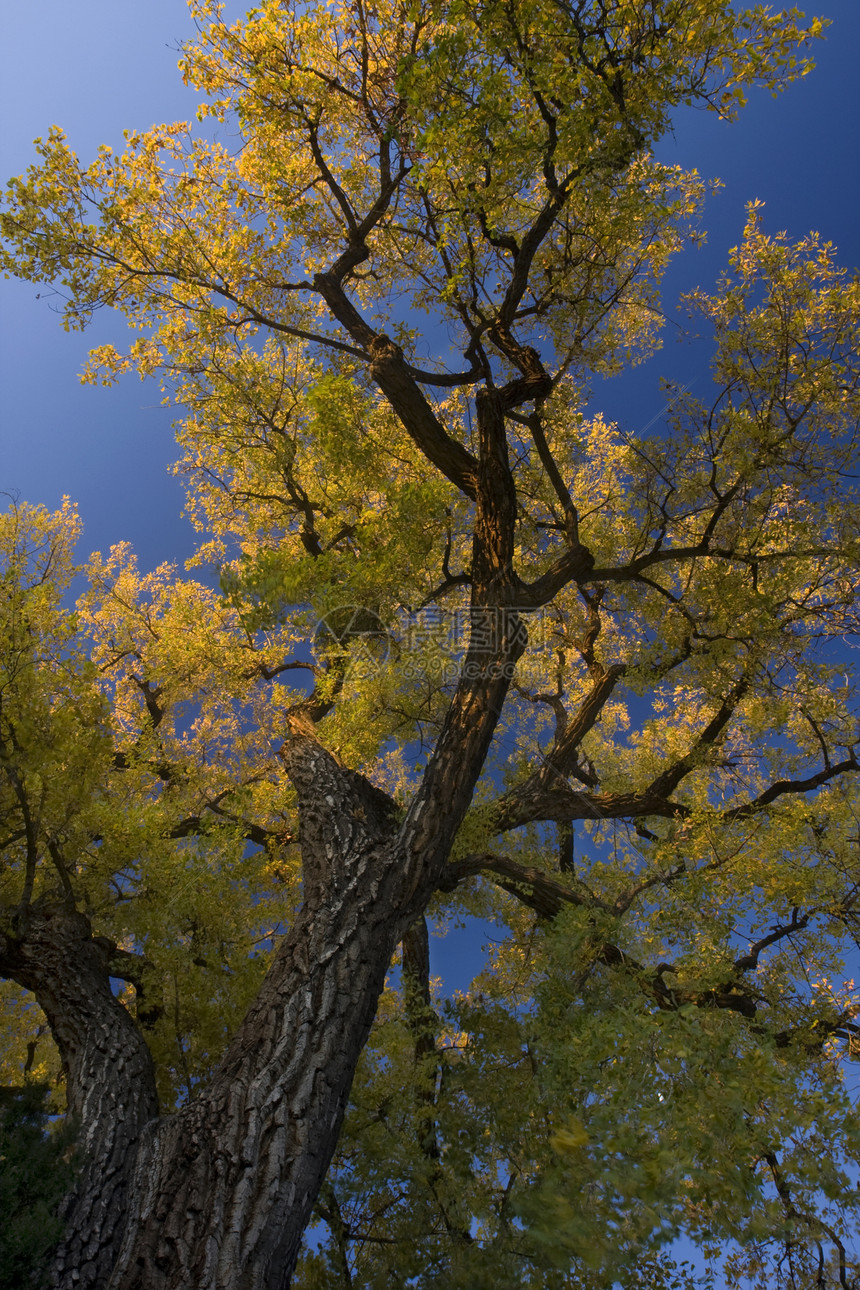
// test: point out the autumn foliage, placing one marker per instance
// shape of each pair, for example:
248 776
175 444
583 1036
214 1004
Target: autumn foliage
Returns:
453 645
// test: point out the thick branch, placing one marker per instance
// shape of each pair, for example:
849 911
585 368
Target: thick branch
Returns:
669 779
495 522
784 786
110 1083
546 788
543 893
749 962
391 373
423 1023
225 1187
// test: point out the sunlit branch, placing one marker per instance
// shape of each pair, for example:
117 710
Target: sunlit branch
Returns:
786 786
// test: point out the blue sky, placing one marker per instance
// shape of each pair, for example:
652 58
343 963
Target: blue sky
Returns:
99 66
93 67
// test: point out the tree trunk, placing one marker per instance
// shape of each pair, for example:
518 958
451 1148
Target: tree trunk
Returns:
109 1077
217 1196
224 1189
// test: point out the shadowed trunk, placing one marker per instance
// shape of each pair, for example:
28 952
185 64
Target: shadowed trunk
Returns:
221 1191
423 1023
110 1083
225 1188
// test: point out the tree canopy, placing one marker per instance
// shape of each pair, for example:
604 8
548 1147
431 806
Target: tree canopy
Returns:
471 650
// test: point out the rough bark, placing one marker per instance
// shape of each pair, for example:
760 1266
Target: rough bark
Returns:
109 1077
225 1187
222 1190
217 1195
423 1024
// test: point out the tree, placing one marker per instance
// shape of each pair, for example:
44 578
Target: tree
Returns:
641 761
35 1173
